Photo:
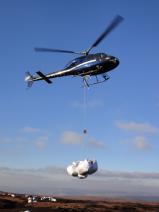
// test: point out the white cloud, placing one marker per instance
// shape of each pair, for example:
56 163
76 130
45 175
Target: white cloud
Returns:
71 137
96 144
41 142
34 138
141 143
137 127
30 130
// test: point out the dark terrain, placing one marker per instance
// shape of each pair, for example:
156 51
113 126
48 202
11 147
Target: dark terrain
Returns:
19 203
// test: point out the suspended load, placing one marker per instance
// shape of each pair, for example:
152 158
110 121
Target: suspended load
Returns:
82 169
85 131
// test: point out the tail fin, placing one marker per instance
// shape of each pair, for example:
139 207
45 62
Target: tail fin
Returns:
29 79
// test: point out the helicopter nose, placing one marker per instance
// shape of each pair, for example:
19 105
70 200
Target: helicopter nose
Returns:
115 61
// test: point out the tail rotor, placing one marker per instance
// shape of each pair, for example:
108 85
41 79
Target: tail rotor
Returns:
29 79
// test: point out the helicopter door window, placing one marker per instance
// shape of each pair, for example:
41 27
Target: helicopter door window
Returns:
73 64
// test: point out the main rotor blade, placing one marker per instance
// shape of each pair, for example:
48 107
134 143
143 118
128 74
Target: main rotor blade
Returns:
111 26
54 50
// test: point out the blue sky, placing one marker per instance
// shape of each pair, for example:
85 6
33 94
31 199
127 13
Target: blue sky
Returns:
42 126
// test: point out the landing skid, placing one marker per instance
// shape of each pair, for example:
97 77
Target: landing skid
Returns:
87 84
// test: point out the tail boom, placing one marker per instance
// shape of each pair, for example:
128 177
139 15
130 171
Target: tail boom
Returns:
44 77
30 78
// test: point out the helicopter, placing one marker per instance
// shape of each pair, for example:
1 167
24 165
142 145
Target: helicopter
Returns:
85 66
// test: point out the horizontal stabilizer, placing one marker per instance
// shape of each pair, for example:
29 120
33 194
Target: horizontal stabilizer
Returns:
44 77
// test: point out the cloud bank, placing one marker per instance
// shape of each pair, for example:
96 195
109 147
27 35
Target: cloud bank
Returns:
54 180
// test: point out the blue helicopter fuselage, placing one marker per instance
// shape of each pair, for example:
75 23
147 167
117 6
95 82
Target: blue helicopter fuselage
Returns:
92 64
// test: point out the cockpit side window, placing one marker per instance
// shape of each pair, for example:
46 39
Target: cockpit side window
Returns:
75 62
103 55
71 64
